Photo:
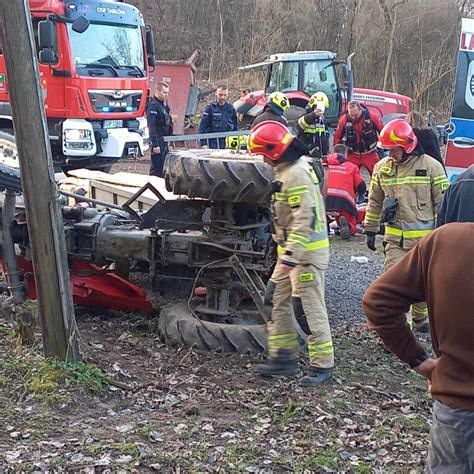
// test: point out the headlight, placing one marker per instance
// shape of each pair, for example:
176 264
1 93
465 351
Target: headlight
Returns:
76 135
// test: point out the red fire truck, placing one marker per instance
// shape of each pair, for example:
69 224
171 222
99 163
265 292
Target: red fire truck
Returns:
301 74
94 59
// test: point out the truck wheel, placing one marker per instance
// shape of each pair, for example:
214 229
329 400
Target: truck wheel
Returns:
218 175
178 326
10 178
8 150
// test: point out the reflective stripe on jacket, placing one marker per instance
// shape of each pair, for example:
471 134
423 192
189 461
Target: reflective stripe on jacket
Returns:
313 132
418 185
298 212
344 179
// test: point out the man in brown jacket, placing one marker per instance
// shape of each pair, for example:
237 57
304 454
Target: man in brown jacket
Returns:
440 271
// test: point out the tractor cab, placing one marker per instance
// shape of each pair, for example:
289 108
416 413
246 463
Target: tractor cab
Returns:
307 72
299 75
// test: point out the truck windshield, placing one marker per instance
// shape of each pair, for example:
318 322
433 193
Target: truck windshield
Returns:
112 49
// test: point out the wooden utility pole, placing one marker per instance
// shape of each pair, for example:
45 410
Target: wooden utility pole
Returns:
45 224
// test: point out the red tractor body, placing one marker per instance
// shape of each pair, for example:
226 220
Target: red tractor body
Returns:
301 74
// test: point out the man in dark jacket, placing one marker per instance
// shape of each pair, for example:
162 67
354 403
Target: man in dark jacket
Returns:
218 116
458 202
276 104
427 140
160 125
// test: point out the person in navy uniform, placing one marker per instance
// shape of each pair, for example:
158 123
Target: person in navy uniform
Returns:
160 125
218 116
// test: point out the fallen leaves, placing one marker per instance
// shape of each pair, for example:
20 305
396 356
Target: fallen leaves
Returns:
185 410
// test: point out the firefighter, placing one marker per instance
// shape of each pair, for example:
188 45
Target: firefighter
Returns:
218 116
296 287
358 129
160 124
276 104
405 192
312 128
344 182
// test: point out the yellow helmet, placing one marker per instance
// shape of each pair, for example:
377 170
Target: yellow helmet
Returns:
236 142
279 100
318 99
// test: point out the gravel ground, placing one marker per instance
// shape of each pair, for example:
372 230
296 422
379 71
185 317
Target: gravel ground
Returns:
346 280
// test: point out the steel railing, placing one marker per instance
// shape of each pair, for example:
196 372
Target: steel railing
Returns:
211 140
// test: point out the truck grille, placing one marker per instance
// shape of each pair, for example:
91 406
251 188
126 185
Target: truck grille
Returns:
107 101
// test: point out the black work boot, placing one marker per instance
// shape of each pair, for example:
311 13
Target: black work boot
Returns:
344 228
281 365
316 377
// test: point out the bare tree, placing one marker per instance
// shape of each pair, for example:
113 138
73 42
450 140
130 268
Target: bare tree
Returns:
409 47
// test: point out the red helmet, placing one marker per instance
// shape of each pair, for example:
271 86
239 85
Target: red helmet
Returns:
397 133
269 138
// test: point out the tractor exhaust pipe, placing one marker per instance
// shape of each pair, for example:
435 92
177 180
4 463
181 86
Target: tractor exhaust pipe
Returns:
349 77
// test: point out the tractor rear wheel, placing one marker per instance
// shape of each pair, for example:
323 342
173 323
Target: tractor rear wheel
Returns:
218 175
178 326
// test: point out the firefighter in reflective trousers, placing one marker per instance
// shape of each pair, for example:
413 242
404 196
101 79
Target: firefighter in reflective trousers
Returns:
405 192
296 287
312 127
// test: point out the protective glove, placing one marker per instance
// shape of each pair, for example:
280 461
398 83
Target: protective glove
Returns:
371 241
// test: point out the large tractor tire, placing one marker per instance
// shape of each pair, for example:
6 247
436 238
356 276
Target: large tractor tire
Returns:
218 175
10 178
8 150
178 326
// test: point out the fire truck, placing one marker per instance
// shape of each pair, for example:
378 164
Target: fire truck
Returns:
94 59
301 74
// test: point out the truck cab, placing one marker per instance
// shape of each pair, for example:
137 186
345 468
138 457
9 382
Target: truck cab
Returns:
94 60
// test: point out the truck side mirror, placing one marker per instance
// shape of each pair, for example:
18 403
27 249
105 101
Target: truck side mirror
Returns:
80 24
151 60
348 81
47 35
150 47
47 56
323 77
47 42
345 72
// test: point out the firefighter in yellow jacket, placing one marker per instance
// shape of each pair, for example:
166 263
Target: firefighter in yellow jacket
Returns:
296 287
405 192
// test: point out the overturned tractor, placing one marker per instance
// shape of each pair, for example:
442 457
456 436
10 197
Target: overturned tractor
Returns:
211 252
